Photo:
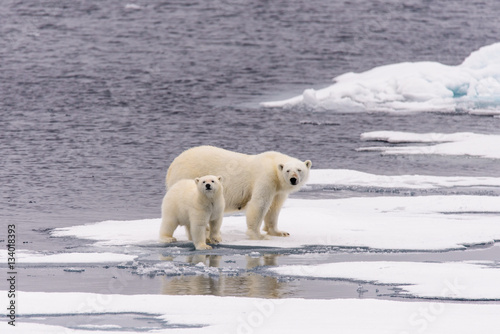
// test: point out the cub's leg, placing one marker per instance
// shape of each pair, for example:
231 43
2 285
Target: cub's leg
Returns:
188 232
198 229
215 236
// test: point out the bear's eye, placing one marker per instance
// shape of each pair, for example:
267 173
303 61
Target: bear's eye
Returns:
203 181
299 170
213 181
288 171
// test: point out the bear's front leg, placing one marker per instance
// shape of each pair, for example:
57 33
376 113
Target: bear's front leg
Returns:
198 234
255 214
215 236
271 218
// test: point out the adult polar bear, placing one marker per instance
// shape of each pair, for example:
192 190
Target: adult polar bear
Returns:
259 184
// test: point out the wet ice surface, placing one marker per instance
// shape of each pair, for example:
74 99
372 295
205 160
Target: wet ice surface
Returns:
125 321
398 219
354 237
251 272
125 256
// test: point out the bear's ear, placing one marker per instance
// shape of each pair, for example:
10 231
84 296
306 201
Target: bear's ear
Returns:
281 166
308 163
197 180
219 178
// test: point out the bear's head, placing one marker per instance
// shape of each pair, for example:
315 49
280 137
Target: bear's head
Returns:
209 184
295 172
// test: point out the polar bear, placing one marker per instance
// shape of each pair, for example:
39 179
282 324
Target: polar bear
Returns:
196 204
258 183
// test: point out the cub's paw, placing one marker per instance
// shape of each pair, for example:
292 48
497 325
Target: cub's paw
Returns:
202 247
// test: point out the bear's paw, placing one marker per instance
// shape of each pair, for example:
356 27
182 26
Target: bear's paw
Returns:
278 233
167 239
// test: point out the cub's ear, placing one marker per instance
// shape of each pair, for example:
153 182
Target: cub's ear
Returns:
281 166
308 163
197 180
220 178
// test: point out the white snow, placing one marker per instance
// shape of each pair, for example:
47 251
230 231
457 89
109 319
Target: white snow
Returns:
24 256
347 177
450 280
402 223
417 86
252 315
461 143
118 232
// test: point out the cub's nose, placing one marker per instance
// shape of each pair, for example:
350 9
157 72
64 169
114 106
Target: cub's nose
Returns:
293 181
208 186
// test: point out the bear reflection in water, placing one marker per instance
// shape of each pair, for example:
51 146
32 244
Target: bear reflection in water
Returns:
249 284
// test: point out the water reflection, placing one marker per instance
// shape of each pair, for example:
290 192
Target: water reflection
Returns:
239 283
248 285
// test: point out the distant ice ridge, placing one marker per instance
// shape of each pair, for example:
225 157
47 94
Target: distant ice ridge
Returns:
460 143
473 86
319 178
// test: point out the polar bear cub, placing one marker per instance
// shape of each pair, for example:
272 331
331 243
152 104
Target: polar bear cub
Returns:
196 204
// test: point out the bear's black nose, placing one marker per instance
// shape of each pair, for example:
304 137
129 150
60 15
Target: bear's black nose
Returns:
208 186
293 181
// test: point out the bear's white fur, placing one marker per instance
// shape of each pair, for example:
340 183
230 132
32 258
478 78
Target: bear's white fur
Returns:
196 204
258 183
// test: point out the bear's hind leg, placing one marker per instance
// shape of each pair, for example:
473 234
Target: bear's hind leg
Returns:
167 229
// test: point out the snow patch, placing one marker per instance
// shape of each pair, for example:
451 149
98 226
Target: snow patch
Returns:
211 314
461 143
24 256
450 280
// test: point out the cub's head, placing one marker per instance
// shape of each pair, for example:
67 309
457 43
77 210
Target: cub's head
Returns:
295 173
209 184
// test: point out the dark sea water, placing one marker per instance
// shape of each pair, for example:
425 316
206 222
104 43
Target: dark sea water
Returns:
98 97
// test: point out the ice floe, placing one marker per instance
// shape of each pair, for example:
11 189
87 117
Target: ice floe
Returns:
347 177
461 143
399 223
449 280
24 256
418 86
211 314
